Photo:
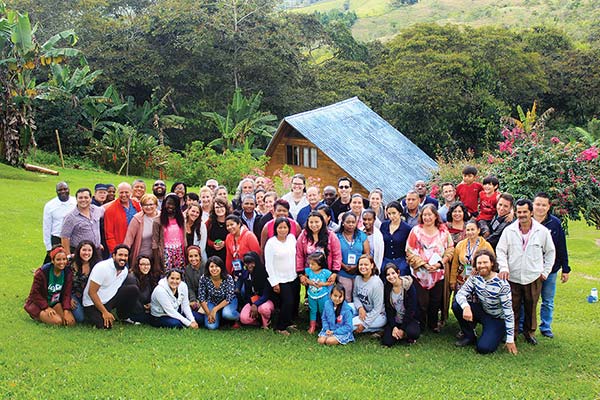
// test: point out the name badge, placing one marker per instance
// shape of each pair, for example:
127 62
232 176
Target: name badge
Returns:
468 269
237 265
351 259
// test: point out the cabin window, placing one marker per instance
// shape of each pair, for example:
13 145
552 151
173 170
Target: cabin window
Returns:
309 157
301 156
293 155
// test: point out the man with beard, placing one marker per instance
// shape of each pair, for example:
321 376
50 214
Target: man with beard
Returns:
159 189
107 289
54 213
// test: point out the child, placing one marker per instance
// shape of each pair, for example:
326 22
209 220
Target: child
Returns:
368 297
318 287
337 319
488 199
468 190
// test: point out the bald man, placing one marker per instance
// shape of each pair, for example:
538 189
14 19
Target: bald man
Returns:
118 215
54 213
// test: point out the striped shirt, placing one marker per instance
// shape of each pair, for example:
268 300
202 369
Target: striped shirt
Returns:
495 298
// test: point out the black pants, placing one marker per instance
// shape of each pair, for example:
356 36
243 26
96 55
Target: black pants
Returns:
430 303
124 301
54 240
289 298
411 329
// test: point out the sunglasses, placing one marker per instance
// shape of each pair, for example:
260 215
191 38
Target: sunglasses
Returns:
344 187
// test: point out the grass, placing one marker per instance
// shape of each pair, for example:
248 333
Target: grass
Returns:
378 20
39 361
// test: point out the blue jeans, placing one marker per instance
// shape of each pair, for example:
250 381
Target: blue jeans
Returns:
78 313
229 312
547 307
170 322
398 262
493 328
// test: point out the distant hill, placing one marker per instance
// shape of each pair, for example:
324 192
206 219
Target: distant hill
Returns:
377 19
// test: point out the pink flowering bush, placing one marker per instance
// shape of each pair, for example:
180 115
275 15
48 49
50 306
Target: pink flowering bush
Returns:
527 163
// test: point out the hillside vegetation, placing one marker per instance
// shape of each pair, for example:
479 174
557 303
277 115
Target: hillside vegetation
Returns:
377 19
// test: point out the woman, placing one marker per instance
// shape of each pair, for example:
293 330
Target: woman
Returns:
357 208
238 242
316 237
492 308
296 197
169 305
395 233
139 232
261 207
180 189
168 236
86 256
246 186
195 229
401 310
255 293
280 255
216 231
429 250
374 236
206 199
327 214
367 297
457 217
353 243
216 294
462 260
49 300
193 271
269 200
221 193
145 279
376 204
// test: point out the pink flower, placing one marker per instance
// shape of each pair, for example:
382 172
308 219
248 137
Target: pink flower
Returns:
588 154
555 140
490 159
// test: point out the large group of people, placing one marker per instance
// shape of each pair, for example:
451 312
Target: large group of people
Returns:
187 260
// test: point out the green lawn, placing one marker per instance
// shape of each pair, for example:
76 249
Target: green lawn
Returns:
378 20
141 362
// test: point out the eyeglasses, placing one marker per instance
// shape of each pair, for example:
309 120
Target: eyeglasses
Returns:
344 187
160 184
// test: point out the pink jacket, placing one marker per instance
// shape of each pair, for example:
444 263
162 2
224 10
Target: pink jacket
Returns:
334 257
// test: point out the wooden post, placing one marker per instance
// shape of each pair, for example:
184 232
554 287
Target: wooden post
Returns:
62 160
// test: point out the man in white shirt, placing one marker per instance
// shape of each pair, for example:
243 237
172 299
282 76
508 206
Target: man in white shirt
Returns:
525 255
54 214
106 290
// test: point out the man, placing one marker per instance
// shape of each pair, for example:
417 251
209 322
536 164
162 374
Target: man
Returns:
100 193
541 213
525 255
420 188
159 189
501 220
83 223
118 215
312 195
138 189
111 191
329 195
342 204
106 290
248 213
212 184
449 195
54 213
411 208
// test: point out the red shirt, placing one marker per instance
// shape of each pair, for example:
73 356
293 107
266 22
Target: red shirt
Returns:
487 206
469 195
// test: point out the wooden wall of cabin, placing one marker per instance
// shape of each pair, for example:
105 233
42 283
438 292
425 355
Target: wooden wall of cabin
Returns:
327 169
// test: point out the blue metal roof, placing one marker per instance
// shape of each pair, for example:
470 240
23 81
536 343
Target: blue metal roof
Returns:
362 143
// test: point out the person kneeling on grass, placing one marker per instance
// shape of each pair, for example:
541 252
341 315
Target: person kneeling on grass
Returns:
255 292
368 297
401 309
216 294
49 300
106 290
336 319
170 305
493 308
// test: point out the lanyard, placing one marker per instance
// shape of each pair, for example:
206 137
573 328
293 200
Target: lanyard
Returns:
469 251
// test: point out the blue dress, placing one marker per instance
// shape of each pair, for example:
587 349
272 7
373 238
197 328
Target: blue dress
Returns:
341 326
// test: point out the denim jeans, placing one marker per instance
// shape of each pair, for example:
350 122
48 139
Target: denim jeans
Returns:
547 307
229 312
375 326
78 313
493 328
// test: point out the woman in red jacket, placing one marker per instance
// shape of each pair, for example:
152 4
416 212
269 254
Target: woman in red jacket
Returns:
49 300
239 241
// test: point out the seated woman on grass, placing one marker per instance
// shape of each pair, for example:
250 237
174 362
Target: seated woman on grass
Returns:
255 292
368 297
146 280
86 256
216 294
400 299
49 300
493 309
170 307
336 319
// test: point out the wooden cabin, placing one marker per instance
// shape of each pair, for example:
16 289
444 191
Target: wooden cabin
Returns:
349 139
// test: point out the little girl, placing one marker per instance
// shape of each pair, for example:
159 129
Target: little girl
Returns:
318 287
368 297
337 319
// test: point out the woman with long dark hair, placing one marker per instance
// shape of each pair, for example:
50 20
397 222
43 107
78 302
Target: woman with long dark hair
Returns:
216 230
195 229
216 294
168 236
255 292
353 243
85 257
401 309
316 237
146 280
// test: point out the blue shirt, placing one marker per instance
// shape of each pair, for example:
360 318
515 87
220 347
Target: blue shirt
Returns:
321 276
355 248
394 245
